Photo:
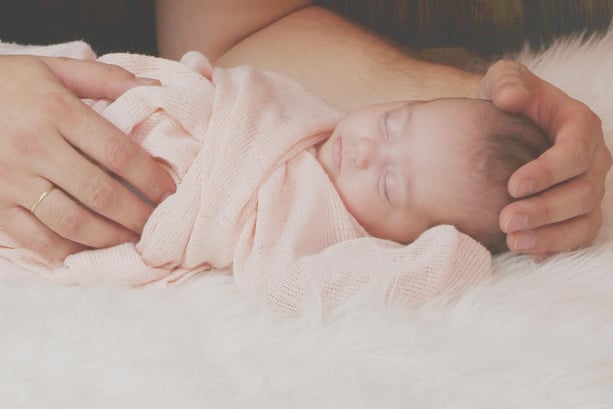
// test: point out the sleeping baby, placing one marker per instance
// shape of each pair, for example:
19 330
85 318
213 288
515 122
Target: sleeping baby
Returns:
404 167
305 206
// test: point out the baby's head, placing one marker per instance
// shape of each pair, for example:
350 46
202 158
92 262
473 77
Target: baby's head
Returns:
403 167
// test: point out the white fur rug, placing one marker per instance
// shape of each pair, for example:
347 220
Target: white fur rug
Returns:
535 336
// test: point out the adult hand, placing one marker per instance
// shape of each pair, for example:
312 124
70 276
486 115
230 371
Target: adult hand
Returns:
560 191
51 140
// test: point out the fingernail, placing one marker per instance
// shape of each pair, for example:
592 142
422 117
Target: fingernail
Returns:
516 222
147 81
525 188
525 241
167 195
539 258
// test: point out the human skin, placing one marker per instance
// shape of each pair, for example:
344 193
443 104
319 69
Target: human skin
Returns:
49 137
560 192
214 26
403 167
564 187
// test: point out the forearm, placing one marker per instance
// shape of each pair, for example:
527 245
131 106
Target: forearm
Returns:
214 26
345 64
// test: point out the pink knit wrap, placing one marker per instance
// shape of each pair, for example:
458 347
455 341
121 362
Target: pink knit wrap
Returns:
251 197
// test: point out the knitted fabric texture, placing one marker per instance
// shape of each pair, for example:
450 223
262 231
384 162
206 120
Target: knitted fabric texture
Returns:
251 197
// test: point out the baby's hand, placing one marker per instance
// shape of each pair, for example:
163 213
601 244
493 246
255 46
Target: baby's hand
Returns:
560 191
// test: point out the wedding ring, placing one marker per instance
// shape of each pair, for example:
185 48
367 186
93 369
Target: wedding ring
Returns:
41 198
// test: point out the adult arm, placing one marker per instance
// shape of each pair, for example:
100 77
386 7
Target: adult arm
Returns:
348 66
336 59
49 138
214 26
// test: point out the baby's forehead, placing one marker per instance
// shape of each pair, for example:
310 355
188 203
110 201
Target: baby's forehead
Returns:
466 106
459 116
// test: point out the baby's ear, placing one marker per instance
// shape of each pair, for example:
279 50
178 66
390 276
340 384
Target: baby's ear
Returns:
197 62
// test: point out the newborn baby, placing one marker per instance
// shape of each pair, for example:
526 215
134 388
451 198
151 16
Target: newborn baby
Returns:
304 205
404 167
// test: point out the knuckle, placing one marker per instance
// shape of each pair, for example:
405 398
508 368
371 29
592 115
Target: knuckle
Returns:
514 65
115 71
585 231
586 116
591 226
495 66
155 187
583 109
589 195
596 120
547 240
592 117
582 155
28 63
69 224
505 64
580 108
544 211
102 196
592 121
595 223
27 142
608 158
42 244
119 153
57 105
502 68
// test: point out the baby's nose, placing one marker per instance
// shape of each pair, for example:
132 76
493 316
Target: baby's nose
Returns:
367 153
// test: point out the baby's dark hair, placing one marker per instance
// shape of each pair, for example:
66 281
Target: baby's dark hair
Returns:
510 141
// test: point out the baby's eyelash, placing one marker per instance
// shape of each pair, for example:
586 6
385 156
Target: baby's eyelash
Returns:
384 183
384 128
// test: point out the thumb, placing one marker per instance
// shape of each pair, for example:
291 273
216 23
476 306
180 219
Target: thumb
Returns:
507 85
92 79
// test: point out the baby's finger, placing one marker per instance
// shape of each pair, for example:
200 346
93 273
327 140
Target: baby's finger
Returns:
30 233
566 201
563 236
72 222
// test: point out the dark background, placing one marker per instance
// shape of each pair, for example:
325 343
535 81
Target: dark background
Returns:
483 26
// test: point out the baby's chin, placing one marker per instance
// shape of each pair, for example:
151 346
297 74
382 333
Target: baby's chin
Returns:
325 157
392 230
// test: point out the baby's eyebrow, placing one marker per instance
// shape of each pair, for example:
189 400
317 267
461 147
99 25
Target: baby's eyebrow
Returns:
407 114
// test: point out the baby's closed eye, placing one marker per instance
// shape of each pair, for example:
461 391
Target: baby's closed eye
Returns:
389 186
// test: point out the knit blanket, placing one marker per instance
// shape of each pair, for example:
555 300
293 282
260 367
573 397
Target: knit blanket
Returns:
251 197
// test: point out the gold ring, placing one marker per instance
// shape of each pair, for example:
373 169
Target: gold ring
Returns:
41 198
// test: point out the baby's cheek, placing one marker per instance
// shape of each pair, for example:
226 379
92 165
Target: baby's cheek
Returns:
359 201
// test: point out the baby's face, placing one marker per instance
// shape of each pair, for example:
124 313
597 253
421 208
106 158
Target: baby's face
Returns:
403 167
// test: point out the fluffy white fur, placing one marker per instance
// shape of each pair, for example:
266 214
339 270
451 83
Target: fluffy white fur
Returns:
535 336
